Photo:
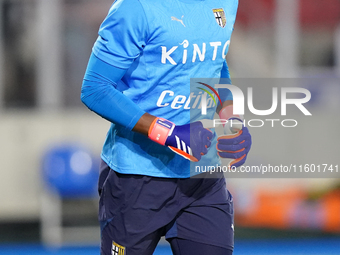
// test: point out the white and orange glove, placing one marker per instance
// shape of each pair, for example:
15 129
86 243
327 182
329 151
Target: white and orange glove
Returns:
236 142
191 141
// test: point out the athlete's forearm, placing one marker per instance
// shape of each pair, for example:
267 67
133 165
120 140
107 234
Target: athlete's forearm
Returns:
225 94
144 123
100 95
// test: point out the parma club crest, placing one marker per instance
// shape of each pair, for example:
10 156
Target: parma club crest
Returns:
220 17
117 249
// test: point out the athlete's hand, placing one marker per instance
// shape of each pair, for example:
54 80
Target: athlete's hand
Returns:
235 147
178 138
236 142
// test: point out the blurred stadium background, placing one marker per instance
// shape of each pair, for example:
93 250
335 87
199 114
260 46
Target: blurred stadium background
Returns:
44 48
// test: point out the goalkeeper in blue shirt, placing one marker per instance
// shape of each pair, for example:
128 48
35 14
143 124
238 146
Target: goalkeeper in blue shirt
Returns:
138 78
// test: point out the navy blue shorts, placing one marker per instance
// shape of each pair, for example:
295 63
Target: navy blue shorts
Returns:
136 210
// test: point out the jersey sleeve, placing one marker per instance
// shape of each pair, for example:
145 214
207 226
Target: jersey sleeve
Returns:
225 94
100 95
123 34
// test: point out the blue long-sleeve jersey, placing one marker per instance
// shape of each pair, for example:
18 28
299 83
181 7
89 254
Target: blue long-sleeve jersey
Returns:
159 45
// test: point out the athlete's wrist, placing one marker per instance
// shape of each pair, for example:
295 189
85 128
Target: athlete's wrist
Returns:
144 123
160 130
225 104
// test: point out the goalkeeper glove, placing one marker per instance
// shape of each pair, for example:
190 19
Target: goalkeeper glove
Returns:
237 141
191 141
